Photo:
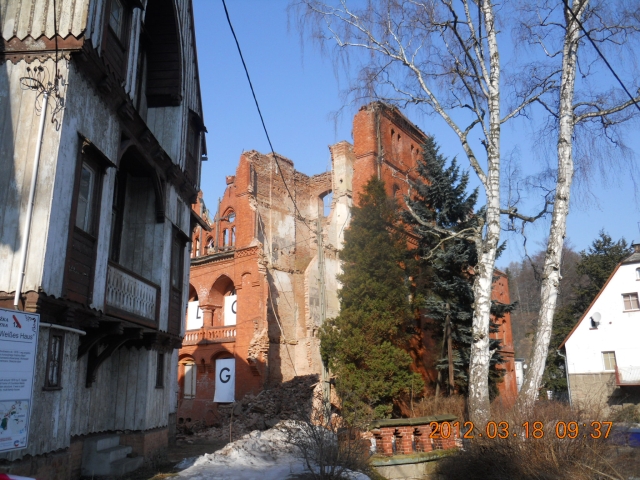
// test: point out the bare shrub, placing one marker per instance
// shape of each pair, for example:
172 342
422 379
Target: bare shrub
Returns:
455 405
329 447
548 457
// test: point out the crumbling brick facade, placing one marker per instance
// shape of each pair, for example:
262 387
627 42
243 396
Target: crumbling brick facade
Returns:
263 250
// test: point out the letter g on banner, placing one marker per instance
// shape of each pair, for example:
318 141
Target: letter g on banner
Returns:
225 380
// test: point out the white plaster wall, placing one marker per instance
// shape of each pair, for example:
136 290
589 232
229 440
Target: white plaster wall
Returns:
619 330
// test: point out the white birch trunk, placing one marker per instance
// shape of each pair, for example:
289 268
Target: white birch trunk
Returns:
553 256
479 403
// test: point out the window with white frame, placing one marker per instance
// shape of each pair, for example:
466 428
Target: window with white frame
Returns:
637 273
630 301
609 360
190 370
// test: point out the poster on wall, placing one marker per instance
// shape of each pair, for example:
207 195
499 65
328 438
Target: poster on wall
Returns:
18 346
194 316
225 380
230 309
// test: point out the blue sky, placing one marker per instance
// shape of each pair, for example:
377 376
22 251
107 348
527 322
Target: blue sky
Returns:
298 91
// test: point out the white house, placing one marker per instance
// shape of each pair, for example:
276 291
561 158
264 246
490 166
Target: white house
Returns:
603 349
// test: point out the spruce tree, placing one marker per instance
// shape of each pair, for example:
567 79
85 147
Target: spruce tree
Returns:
595 266
365 346
445 261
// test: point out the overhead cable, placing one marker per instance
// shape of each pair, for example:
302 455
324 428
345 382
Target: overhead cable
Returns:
275 156
586 34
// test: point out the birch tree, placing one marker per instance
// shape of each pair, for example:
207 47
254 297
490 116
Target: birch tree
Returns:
599 109
443 56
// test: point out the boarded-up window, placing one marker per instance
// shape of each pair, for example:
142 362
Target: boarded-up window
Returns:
160 371
609 360
630 301
190 380
54 361
116 31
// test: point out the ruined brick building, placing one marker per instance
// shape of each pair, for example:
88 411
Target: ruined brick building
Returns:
255 291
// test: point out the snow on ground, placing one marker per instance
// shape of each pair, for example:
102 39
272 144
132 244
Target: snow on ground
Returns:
256 456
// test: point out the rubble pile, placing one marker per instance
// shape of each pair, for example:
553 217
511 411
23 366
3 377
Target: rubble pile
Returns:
290 400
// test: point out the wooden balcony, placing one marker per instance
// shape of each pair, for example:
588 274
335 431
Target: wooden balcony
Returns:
131 297
627 376
210 335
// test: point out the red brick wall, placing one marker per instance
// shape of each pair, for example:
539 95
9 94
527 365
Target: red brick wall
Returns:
264 217
508 387
413 438
393 153
148 443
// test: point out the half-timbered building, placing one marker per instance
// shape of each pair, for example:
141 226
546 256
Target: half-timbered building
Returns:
100 253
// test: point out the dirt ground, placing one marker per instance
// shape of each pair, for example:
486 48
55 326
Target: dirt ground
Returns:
162 465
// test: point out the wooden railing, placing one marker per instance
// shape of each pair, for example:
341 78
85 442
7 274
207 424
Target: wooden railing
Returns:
210 335
131 294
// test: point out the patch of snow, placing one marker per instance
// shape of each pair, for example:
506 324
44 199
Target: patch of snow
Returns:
256 456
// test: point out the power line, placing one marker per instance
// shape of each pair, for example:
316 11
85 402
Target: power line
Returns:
586 34
275 156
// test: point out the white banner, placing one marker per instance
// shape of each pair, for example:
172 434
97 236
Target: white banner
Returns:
225 380
194 316
230 309
18 347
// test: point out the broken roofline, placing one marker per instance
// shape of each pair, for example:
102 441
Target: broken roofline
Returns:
254 154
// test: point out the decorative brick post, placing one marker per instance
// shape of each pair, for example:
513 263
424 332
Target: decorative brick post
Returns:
404 440
207 314
423 441
384 441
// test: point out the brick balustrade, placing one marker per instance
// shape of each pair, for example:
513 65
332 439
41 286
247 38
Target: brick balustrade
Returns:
404 436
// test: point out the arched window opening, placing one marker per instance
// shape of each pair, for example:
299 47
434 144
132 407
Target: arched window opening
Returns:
229 232
135 207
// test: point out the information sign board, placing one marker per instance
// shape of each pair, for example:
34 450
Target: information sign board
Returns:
18 347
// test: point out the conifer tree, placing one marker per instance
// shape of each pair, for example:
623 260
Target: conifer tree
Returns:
446 260
365 346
